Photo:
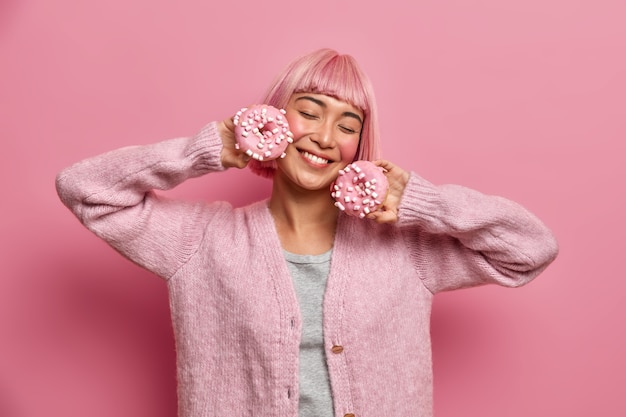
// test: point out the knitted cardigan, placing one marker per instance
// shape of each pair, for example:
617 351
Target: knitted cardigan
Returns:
234 310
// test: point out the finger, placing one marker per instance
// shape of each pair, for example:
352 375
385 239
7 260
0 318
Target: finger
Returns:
242 161
388 167
383 163
383 216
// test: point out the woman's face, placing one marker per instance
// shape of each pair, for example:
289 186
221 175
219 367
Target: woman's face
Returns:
326 137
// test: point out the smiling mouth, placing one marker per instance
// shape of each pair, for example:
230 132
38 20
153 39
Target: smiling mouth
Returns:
314 158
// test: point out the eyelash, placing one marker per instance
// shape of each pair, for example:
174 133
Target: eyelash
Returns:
307 115
312 117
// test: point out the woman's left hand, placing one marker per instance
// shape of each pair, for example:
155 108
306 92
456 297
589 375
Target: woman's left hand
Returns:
398 178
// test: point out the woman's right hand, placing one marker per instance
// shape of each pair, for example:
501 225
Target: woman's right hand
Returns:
398 179
231 157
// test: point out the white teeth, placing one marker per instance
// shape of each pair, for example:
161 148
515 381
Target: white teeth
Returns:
315 159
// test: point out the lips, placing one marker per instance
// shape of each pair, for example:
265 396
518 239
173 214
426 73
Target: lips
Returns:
314 158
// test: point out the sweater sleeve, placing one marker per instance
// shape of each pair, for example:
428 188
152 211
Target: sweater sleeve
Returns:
113 195
460 238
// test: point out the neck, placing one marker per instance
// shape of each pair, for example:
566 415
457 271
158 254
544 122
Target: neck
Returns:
305 219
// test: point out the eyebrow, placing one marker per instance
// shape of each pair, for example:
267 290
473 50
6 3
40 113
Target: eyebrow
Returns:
322 104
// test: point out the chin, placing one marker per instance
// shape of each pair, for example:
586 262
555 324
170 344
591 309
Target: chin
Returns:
315 184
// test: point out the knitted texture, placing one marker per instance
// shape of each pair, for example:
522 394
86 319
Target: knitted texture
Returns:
234 309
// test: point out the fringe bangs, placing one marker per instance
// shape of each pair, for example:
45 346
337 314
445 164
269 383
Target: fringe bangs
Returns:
335 77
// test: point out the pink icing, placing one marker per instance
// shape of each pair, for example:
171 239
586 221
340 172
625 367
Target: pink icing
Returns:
262 132
360 188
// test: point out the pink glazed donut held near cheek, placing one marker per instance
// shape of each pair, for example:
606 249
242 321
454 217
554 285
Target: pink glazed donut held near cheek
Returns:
360 189
262 132
326 135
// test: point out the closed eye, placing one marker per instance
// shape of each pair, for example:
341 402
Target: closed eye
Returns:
307 115
348 130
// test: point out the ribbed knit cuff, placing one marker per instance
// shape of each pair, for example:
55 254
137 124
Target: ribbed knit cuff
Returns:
206 150
421 201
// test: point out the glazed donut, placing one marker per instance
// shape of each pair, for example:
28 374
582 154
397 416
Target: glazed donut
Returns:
262 132
360 188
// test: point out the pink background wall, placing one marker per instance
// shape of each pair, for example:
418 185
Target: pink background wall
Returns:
520 98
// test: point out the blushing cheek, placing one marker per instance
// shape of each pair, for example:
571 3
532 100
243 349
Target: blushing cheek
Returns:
296 126
348 150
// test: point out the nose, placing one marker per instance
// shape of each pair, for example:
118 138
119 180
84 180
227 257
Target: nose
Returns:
324 135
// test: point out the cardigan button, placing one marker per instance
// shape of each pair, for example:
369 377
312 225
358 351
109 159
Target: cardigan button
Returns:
339 349
349 415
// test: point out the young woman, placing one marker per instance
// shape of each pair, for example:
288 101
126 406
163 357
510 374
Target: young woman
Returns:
289 307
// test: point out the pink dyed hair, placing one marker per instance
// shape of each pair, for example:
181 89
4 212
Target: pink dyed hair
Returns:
326 72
